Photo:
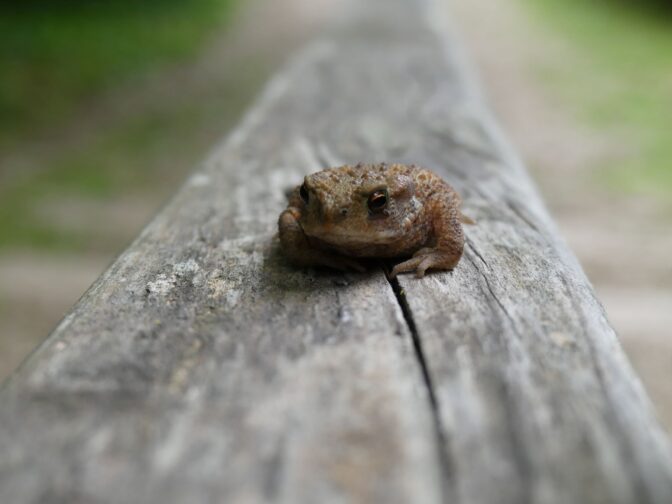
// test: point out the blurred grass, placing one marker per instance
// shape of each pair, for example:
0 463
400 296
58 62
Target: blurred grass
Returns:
144 155
57 56
54 54
622 82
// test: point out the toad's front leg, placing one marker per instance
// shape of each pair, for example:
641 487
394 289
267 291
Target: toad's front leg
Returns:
449 237
298 249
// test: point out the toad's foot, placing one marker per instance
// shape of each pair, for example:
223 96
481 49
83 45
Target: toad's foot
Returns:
427 258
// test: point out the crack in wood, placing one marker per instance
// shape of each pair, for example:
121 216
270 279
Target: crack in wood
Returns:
442 441
473 248
494 296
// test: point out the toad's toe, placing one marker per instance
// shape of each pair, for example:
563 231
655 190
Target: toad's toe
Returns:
406 266
426 259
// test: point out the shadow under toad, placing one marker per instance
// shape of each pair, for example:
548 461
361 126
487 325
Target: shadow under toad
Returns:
281 273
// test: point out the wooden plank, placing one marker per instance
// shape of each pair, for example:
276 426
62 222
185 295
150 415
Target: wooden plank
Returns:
203 368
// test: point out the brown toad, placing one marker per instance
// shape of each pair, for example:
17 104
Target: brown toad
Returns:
374 210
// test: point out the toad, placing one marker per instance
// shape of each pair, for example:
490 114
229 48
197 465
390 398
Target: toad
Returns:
374 211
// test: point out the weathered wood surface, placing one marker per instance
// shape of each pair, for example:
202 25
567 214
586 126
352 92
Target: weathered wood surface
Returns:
202 368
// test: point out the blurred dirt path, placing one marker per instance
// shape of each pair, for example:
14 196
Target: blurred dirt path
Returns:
624 243
37 288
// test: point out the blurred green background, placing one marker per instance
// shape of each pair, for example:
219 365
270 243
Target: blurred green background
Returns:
622 83
57 57
54 54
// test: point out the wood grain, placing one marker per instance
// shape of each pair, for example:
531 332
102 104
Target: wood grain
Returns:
203 368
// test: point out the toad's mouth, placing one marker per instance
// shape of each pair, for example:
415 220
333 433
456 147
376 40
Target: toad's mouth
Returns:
342 237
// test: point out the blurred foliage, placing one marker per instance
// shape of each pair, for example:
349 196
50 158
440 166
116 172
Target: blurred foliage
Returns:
655 7
144 156
621 81
55 53
56 56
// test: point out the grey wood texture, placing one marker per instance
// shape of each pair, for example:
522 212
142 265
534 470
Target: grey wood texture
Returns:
202 368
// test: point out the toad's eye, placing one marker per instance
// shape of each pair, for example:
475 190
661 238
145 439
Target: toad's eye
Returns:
303 192
377 201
